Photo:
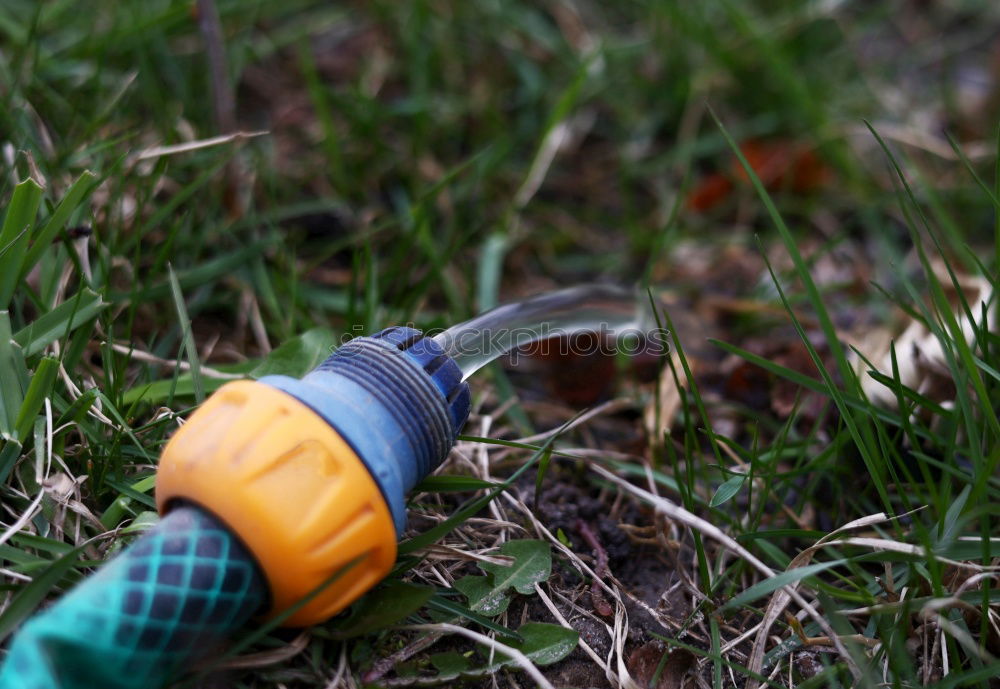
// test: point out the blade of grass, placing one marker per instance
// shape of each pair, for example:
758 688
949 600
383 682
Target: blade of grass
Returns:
11 392
857 424
46 329
70 202
190 348
10 450
704 570
29 597
884 416
446 605
15 234
771 584
942 304
42 381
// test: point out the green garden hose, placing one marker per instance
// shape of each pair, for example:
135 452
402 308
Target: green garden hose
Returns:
274 488
179 590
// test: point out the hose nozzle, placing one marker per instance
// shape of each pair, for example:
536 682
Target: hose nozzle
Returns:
311 474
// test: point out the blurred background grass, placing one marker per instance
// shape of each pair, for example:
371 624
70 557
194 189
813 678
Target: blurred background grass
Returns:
402 137
389 162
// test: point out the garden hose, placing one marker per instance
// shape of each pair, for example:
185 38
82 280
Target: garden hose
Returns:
281 498
179 589
270 489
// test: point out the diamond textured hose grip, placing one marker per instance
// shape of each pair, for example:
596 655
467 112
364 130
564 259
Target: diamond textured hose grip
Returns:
181 587
280 497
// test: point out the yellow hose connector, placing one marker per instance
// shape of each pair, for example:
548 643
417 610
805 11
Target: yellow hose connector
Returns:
291 489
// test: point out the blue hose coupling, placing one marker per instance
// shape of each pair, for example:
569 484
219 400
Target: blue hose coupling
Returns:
396 398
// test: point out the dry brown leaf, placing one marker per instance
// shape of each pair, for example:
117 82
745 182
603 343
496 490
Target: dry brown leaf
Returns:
920 358
644 661
662 409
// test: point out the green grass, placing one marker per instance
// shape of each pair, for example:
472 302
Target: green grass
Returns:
408 175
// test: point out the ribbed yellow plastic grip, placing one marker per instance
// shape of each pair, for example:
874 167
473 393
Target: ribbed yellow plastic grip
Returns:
290 488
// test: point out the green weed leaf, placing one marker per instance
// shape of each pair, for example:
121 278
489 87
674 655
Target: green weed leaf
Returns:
483 596
489 595
384 607
951 526
545 643
542 643
727 490
299 355
443 604
450 662
532 565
